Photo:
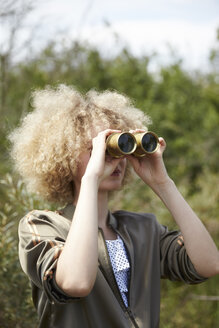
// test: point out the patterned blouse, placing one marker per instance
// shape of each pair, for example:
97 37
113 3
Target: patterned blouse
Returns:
120 264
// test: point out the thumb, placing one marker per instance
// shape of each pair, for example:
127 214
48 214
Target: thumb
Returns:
133 160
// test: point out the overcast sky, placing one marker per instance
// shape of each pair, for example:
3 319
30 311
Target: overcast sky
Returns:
145 26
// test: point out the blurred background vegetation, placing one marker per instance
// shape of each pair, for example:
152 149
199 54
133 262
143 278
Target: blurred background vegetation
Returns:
184 108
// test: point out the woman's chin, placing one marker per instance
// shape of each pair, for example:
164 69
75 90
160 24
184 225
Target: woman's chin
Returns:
110 185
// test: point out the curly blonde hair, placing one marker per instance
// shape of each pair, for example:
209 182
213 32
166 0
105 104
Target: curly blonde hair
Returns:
47 144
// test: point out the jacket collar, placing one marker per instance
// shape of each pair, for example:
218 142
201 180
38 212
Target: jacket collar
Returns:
111 221
67 211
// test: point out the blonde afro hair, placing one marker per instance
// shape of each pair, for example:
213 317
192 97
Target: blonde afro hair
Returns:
47 144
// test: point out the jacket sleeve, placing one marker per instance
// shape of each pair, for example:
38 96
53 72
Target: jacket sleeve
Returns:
175 262
41 240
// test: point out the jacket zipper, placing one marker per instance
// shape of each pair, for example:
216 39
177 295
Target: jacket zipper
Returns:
120 300
132 317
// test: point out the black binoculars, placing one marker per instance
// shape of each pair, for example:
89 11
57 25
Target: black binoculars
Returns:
126 143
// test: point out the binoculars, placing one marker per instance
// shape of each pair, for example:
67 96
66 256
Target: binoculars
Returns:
126 143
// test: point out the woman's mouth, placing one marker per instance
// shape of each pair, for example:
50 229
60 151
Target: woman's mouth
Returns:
116 173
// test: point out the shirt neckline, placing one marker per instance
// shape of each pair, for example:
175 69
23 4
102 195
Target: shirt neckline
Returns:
113 240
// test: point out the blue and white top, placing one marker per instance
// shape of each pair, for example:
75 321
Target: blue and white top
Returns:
120 265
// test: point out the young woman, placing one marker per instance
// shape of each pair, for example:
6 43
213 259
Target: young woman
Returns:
89 267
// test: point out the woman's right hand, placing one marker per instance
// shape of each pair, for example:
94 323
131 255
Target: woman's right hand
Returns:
100 164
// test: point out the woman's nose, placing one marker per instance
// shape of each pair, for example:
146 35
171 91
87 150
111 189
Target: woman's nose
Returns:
108 158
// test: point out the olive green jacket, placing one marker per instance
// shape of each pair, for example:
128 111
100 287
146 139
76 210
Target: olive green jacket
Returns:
153 252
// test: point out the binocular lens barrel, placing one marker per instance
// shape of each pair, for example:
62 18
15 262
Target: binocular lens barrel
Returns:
147 143
120 144
125 143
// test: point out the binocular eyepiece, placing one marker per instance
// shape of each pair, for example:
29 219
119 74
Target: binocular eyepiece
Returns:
126 143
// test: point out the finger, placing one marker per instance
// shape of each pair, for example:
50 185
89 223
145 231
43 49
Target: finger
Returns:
132 159
162 144
102 135
100 139
137 130
108 132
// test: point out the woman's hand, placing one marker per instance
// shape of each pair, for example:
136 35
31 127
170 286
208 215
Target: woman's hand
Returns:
151 168
100 164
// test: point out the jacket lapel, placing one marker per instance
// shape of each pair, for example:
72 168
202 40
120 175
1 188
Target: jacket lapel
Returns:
105 265
104 260
123 232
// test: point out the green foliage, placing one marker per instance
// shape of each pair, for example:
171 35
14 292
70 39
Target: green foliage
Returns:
15 293
189 305
15 301
184 109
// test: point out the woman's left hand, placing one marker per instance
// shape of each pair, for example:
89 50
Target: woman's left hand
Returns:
151 168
